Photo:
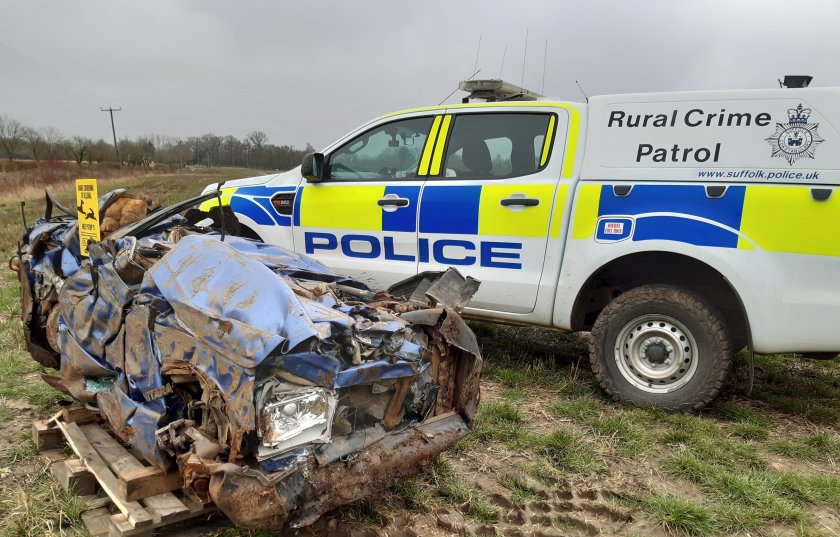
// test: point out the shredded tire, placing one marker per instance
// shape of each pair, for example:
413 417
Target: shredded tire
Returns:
704 322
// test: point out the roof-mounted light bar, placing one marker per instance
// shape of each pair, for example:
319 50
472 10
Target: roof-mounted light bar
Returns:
796 81
495 89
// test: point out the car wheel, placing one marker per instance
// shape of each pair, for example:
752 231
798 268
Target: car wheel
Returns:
660 345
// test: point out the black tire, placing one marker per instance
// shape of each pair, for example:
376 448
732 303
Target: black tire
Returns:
684 314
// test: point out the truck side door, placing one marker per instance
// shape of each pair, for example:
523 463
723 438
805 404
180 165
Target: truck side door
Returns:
487 205
361 220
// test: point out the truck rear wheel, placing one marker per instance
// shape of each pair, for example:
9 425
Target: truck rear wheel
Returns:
660 345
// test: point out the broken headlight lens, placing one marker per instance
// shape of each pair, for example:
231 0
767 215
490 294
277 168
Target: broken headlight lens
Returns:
289 418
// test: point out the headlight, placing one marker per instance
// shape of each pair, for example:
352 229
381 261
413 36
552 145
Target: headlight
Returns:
289 418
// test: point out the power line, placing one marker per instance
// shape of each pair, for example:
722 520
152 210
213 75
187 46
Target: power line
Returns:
111 111
69 84
58 82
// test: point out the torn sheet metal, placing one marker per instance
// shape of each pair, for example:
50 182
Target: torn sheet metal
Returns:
449 289
276 387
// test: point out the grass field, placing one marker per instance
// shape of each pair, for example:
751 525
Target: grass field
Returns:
549 454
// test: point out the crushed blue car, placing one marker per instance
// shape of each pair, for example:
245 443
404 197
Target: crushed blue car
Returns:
278 389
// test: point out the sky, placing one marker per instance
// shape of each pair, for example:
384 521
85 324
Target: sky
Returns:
312 70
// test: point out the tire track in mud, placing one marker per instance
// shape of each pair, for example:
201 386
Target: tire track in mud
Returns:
558 512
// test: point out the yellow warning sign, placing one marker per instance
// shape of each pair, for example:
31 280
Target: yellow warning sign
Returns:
87 205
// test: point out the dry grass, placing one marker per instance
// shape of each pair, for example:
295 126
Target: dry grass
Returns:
29 183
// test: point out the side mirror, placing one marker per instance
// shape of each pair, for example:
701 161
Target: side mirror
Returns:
312 167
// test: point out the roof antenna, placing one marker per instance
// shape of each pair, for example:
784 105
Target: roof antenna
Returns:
475 67
545 55
503 61
581 90
524 55
456 89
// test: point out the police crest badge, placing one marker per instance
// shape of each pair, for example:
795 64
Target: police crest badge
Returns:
797 138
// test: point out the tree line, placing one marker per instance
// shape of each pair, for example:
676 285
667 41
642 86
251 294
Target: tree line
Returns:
18 141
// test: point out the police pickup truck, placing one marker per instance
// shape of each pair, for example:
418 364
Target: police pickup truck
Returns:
677 227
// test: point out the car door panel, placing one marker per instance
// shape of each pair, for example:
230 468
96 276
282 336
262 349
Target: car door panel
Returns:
494 229
363 225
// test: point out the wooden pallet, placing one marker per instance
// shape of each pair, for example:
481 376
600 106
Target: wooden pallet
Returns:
124 496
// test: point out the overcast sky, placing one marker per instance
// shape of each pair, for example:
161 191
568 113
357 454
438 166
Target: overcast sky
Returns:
309 71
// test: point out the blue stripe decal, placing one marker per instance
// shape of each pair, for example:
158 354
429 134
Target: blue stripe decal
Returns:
404 218
688 199
672 228
266 191
251 210
282 220
450 209
298 197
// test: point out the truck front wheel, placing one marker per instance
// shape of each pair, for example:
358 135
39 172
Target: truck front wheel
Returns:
660 345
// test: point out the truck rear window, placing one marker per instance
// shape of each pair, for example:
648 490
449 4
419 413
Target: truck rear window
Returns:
496 145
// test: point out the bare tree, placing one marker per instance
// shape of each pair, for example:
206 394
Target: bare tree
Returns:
79 147
53 140
36 142
11 136
257 139
232 150
101 151
211 144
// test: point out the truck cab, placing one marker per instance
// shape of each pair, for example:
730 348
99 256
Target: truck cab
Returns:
677 227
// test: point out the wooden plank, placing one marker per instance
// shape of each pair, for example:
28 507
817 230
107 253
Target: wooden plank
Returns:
95 501
134 512
74 477
97 521
119 526
148 481
46 438
162 504
164 507
78 414
115 455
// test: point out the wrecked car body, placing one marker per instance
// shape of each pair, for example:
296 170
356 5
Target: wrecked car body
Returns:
276 388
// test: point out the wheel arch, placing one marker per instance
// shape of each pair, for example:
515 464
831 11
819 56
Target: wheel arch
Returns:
651 267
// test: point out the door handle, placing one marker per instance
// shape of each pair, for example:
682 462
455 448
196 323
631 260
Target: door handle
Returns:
392 202
520 202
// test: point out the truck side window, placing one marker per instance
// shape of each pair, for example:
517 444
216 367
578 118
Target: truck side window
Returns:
496 145
389 151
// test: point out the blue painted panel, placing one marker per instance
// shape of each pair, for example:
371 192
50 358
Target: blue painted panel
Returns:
686 199
671 228
450 209
282 220
404 218
252 210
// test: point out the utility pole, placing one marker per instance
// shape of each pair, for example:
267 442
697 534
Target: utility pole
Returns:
111 111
